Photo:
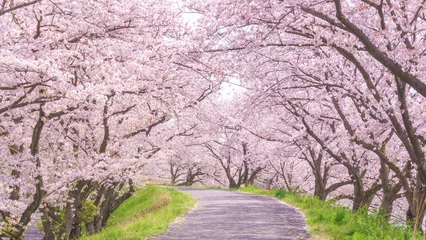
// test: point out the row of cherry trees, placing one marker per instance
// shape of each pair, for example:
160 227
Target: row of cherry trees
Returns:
84 83
336 86
96 96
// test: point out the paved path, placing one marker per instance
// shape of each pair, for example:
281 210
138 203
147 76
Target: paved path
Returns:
33 233
222 214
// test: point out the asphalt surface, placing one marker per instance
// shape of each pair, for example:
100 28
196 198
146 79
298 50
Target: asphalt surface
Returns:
33 233
222 214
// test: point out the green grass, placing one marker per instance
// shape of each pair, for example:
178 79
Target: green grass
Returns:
205 187
327 220
147 213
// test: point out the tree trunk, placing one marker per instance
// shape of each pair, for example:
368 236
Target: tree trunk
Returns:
232 183
320 189
390 192
76 194
47 225
90 228
386 206
417 207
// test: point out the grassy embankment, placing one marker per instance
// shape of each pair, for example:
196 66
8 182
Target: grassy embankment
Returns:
327 220
147 213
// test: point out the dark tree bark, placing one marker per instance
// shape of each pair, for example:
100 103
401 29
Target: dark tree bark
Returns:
18 234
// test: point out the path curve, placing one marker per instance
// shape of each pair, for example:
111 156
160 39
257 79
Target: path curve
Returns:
222 214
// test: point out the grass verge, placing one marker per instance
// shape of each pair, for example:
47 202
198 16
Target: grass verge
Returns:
147 213
327 220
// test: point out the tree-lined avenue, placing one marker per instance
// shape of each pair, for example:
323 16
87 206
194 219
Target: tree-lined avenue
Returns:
222 214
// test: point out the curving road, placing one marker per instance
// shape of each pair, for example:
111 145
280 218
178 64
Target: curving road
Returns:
222 214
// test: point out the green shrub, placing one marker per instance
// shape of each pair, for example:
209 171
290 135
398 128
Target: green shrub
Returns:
280 193
89 211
